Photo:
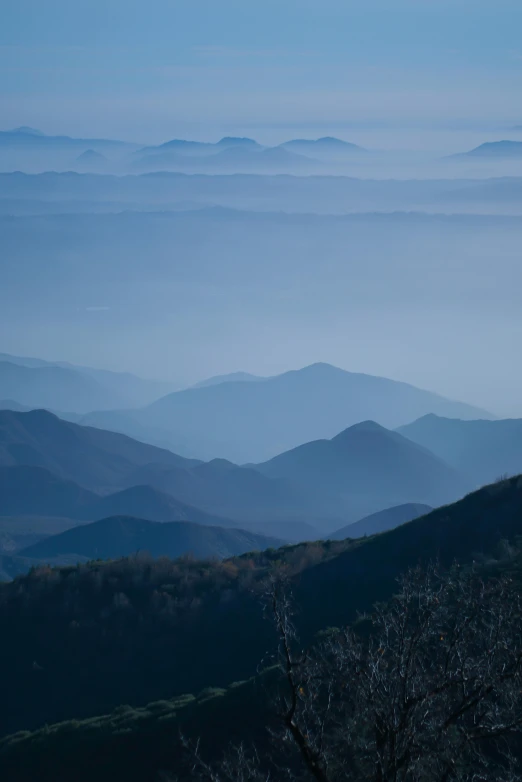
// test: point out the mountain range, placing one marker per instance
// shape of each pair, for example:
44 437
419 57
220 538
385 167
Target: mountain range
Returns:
496 149
58 468
483 450
70 388
254 421
367 468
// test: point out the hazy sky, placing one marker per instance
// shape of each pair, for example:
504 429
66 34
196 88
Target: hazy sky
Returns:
152 70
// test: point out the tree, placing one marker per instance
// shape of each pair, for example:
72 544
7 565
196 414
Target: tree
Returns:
425 689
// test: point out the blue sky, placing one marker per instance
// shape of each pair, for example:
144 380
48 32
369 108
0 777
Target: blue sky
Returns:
150 70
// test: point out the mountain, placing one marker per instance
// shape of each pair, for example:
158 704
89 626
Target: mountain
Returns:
233 158
233 377
93 458
147 503
367 468
122 536
119 387
496 149
326 146
91 158
483 450
251 422
35 491
382 521
53 386
28 137
198 147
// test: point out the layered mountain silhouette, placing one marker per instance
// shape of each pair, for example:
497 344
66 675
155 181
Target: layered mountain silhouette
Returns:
93 458
74 388
327 146
251 422
483 450
382 521
367 468
496 149
233 377
122 536
35 491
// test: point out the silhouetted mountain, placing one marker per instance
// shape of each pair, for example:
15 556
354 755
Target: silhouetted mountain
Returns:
250 422
26 491
190 147
236 158
382 521
91 158
53 386
121 536
510 149
27 137
483 450
327 146
233 377
147 503
94 458
119 387
367 468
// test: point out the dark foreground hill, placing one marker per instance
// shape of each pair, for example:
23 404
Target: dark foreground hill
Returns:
123 536
483 450
151 636
382 521
367 468
138 630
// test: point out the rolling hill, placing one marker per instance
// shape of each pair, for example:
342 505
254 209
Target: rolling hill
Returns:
93 458
34 491
145 630
483 450
120 388
382 521
122 536
251 422
496 149
367 468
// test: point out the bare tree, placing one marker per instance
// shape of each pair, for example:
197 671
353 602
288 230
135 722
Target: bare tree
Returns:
425 689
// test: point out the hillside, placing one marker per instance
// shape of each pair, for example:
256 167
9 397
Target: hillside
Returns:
120 388
34 491
483 450
146 630
496 149
251 422
123 536
53 386
382 521
91 457
368 468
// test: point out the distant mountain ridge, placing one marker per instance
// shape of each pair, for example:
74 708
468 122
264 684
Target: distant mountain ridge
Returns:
86 387
251 422
382 521
484 450
496 149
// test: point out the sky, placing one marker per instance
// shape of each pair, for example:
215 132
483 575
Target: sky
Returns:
147 71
